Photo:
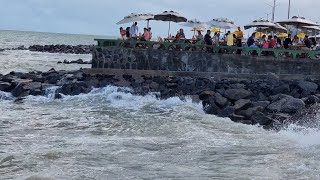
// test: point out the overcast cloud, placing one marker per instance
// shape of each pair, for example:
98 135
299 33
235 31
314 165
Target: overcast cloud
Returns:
99 16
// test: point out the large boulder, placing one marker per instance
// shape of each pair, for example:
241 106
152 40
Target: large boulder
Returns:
4 86
19 91
242 104
263 104
206 94
237 94
260 118
227 112
286 104
220 100
307 87
211 107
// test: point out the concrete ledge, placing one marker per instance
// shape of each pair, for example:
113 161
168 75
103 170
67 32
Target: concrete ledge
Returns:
215 75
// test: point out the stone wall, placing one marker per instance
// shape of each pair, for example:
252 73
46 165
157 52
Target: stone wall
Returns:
186 61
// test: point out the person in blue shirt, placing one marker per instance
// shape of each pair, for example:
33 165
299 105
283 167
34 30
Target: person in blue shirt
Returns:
250 41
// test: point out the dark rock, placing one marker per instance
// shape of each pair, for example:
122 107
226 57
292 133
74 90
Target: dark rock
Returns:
242 104
237 86
283 89
19 91
57 96
278 97
307 87
206 94
272 76
237 94
286 105
250 111
32 85
220 100
122 83
262 97
227 112
36 92
4 86
237 118
263 104
248 122
310 100
260 118
211 108
52 78
172 85
154 86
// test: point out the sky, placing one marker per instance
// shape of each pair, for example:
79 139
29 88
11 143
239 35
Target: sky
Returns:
99 17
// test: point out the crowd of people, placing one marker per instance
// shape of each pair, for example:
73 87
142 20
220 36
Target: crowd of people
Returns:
133 33
229 39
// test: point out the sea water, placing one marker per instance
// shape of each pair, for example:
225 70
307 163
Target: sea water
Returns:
112 134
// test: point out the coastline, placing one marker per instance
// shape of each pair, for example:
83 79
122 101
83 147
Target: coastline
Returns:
271 103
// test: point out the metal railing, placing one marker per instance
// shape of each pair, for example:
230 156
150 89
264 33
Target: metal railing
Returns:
200 47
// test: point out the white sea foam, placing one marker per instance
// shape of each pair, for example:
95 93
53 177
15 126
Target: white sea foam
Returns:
118 97
304 136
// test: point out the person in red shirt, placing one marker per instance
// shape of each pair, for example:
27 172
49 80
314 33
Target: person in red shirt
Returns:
272 42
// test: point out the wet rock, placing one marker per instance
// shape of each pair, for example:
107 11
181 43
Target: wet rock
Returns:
4 86
220 100
52 78
206 94
122 83
283 89
260 118
154 86
237 94
308 88
211 108
250 111
242 104
227 112
19 91
287 104
263 104
57 96
32 85
310 100
172 85
237 118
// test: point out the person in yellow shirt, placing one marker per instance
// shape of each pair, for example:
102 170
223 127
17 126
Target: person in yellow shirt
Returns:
230 41
239 35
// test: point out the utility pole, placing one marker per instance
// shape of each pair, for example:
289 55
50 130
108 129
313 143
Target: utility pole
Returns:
289 7
273 9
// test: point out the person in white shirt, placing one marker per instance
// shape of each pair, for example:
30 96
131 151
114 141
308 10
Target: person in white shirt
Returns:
134 30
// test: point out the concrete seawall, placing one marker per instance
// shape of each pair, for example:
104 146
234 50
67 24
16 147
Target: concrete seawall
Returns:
202 63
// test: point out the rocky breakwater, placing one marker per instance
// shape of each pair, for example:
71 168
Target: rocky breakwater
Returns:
68 49
271 102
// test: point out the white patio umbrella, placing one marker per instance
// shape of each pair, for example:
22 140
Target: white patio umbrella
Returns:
222 23
133 17
298 22
194 23
169 16
315 28
277 28
261 23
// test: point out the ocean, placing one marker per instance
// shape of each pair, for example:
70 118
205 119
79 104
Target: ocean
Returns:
112 134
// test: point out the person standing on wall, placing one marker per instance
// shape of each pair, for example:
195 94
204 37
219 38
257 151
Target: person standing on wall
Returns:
239 35
134 30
